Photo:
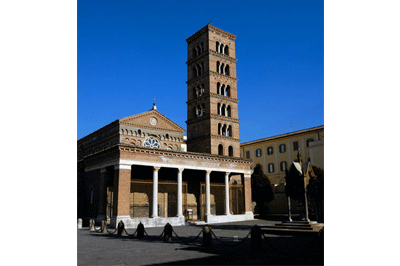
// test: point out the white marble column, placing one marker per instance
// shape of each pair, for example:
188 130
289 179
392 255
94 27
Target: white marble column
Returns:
180 214
227 212
208 201
155 192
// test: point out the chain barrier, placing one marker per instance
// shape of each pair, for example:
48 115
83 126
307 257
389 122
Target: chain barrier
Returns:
154 238
126 232
187 242
280 252
112 232
231 245
98 231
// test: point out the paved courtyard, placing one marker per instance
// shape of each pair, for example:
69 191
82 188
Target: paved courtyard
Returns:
231 247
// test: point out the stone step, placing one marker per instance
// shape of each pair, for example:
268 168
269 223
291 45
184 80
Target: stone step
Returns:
291 232
289 227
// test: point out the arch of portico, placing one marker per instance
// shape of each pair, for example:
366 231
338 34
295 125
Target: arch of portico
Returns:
156 187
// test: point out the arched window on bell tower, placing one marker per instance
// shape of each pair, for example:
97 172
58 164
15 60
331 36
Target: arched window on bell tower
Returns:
220 149
230 151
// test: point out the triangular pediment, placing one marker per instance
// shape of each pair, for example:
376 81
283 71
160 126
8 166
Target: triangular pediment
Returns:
152 120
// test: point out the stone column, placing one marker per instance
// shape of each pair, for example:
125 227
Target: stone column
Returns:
179 197
208 200
227 212
155 192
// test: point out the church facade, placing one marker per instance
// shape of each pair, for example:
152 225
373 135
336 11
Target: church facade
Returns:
142 168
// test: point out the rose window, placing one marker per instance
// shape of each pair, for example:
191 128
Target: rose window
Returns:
152 143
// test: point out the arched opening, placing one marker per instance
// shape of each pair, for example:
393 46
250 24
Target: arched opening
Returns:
222 89
217 46
221 50
220 150
223 110
218 88
230 151
227 91
230 131
228 111
226 72
224 130
218 67
226 50
219 129
219 108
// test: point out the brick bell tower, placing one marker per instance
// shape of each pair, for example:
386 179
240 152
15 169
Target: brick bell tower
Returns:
212 115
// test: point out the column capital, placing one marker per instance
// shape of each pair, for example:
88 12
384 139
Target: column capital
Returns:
156 168
180 170
208 171
227 173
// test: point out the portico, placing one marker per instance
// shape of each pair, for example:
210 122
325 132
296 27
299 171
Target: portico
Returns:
160 169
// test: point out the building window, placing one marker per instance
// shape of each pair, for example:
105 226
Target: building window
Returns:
247 154
220 150
271 168
308 142
230 151
295 145
282 148
152 143
283 166
270 150
258 152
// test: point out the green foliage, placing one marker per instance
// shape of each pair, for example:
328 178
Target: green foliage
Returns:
261 186
315 188
294 187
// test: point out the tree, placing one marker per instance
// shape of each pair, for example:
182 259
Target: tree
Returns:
315 188
261 189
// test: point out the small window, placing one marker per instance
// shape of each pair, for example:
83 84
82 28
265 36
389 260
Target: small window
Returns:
282 148
295 145
270 150
247 154
258 152
271 168
308 142
230 151
283 166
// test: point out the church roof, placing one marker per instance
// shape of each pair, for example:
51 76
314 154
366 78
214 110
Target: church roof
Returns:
152 119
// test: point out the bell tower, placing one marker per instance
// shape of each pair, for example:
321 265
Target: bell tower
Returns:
212 115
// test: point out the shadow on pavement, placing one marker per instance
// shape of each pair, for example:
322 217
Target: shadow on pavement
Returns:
275 250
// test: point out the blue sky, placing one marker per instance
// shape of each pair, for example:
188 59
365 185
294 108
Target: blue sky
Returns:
130 52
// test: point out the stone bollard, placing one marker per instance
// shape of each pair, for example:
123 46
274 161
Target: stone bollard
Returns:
91 225
79 223
140 230
104 226
168 232
207 236
256 240
121 229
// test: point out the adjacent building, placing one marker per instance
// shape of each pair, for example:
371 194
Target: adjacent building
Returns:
277 153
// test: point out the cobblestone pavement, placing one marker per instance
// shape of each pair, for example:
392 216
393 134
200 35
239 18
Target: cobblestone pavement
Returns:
109 249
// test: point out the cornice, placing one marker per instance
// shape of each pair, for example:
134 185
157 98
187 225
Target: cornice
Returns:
211 52
153 128
210 73
213 116
213 95
225 118
188 155
225 138
290 134
224 98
